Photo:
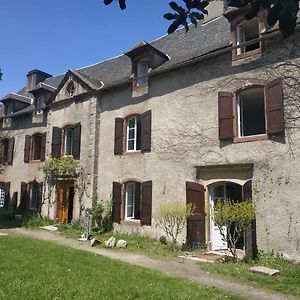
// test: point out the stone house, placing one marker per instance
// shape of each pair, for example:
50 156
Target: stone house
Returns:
198 116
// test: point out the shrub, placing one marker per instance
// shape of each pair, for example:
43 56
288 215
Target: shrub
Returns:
35 221
163 240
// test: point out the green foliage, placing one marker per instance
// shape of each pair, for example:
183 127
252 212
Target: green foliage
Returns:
72 230
236 217
35 221
163 240
61 167
171 218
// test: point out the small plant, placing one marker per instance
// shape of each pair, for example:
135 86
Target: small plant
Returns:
163 240
36 221
236 217
171 218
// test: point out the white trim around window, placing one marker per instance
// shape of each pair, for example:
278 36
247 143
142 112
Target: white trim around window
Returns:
2 197
131 142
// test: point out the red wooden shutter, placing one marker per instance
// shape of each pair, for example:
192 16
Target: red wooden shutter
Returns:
146 205
196 222
27 148
116 202
10 153
23 196
76 141
118 148
7 194
225 108
274 107
146 131
43 146
56 142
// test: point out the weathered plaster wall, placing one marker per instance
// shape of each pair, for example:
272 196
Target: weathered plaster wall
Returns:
185 134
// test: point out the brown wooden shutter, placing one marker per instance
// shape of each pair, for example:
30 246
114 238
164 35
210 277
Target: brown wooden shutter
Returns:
146 131
225 108
43 146
196 222
146 204
274 107
23 196
118 148
247 190
10 153
27 148
56 142
116 202
7 194
76 141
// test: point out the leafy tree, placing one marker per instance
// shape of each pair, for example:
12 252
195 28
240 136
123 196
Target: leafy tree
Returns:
171 218
282 11
236 217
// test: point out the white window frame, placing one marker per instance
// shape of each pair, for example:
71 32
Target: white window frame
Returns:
133 195
240 39
142 73
33 196
2 197
135 135
66 130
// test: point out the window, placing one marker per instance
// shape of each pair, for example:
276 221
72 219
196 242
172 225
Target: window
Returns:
137 135
33 196
253 113
70 90
6 150
39 104
35 147
133 140
2 197
136 204
142 73
245 32
66 141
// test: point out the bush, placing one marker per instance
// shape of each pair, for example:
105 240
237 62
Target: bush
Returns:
163 240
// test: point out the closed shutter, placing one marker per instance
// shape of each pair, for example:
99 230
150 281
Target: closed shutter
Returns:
196 222
146 205
146 131
76 141
10 153
247 190
23 196
43 146
274 107
116 202
7 194
225 109
27 148
40 195
118 148
56 142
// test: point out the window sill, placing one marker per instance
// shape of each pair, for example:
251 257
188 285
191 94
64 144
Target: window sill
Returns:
34 161
133 152
251 138
131 222
236 57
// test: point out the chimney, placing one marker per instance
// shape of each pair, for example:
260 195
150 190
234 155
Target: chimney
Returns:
34 77
215 9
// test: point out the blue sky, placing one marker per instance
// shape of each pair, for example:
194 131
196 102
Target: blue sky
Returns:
57 35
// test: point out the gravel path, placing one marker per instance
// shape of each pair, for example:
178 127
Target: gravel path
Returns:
184 269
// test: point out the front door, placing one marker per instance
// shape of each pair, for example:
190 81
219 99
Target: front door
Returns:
65 196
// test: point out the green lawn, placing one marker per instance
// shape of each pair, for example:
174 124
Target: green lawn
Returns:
287 282
33 269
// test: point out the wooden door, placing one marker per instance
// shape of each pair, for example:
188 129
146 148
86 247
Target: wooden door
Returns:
64 195
196 222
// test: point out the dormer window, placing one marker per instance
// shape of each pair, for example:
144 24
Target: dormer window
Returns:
70 90
9 108
40 101
142 73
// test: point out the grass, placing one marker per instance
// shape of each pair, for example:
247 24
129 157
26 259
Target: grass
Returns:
33 269
287 282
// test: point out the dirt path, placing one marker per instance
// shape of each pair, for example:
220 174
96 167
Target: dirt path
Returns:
187 269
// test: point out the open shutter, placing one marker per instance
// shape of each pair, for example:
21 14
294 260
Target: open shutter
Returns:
146 131
225 109
43 146
146 205
76 141
23 197
27 148
7 194
10 153
116 202
118 148
56 142
250 236
196 222
274 107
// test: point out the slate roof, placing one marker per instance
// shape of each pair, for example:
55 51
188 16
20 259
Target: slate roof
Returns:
179 46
